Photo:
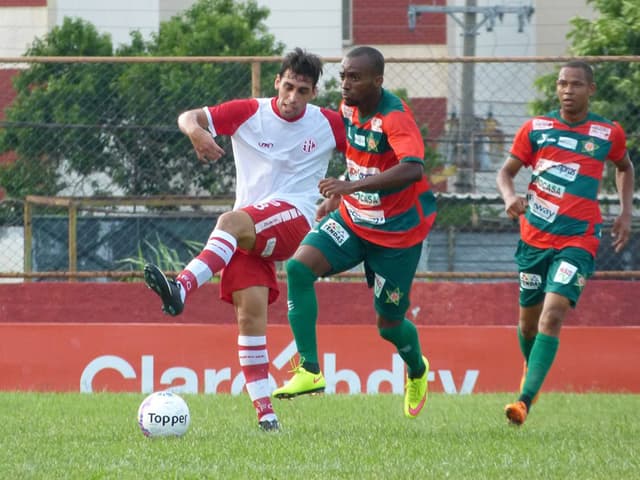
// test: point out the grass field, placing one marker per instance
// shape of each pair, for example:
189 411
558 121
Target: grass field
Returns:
95 436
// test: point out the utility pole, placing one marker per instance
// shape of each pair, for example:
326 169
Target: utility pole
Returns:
465 143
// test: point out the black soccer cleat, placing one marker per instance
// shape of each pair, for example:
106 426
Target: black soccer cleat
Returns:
269 425
168 290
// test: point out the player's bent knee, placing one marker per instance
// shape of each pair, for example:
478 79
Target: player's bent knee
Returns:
298 272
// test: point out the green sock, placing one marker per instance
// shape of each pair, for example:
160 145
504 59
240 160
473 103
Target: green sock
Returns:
405 337
541 358
303 310
526 344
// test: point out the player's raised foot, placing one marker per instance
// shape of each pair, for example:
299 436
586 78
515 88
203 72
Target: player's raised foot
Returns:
516 412
415 392
269 425
168 290
524 377
303 382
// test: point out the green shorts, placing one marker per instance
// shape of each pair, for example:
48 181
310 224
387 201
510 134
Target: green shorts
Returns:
564 272
394 268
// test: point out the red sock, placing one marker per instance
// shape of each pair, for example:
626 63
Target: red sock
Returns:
254 361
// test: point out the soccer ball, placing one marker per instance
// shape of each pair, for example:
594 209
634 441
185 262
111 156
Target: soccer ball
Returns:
163 414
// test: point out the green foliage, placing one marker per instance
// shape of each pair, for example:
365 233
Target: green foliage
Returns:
120 119
165 258
614 31
81 436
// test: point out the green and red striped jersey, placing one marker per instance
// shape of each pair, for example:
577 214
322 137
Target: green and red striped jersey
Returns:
568 163
396 218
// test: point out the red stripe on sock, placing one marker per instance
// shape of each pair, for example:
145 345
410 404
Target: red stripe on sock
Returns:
188 281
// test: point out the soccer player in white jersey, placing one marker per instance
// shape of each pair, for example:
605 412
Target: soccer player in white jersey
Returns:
281 148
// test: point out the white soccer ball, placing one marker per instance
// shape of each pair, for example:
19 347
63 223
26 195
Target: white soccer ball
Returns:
163 414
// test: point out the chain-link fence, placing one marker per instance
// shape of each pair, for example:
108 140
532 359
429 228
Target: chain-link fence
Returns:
97 178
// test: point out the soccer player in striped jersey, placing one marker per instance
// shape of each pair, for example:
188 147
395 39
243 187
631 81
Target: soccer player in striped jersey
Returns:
379 214
560 220
281 148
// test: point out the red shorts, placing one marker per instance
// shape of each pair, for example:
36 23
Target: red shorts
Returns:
280 228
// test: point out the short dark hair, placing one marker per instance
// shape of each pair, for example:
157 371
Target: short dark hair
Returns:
301 62
376 59
584 66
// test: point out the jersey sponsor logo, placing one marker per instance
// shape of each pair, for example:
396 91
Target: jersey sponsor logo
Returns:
600 131
357 172
367 198
347 111
309 145
543 209
269 247
541 124
550 187
545 138
566 171
359 140
378 285
265 145
568 143
565 273
374 217
530 281
335 231
376 124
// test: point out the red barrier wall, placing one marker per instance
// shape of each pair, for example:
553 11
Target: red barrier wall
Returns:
203 358
113 336
604 302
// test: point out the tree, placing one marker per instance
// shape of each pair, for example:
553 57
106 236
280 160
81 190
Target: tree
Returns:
615 31
73 120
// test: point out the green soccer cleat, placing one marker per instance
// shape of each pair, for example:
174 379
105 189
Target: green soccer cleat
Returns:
302 383
415 392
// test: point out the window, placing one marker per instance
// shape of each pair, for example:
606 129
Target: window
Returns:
347 20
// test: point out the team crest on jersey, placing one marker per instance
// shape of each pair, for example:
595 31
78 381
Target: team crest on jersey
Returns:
599 131
394 296
542 124
372 144
589 147
376 124
309 145
580 281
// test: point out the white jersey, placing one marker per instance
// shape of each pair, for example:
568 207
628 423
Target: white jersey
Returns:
275 158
